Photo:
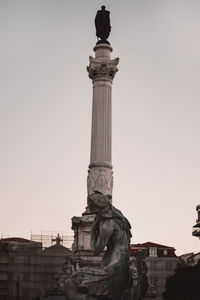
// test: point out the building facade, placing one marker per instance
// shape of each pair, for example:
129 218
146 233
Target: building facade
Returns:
26 269
161 262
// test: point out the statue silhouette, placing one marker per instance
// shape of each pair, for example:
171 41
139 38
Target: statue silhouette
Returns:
102 23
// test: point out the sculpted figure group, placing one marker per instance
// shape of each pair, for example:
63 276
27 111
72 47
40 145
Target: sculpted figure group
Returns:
112 280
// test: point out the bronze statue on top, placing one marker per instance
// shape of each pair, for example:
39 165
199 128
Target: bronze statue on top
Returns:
102 24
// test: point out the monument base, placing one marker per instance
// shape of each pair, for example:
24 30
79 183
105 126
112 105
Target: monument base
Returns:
82 253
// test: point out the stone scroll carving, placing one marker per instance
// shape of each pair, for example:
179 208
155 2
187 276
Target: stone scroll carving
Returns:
99 69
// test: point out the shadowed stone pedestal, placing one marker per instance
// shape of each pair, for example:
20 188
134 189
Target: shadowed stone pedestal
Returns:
82 254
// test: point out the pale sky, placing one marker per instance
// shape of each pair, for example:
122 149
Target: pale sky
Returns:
46 105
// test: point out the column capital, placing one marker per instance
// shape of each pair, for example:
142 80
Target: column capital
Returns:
102 69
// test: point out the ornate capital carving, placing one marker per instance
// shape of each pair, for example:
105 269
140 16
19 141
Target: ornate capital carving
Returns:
102 69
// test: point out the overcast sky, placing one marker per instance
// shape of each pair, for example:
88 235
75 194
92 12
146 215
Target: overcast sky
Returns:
45 115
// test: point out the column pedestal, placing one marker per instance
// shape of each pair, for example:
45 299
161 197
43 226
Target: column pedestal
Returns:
82 254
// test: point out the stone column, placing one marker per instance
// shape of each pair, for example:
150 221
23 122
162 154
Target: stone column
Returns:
101 70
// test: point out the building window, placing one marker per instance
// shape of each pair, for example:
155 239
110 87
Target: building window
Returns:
165 252
153 251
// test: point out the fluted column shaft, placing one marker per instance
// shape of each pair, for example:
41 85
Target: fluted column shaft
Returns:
101 122
102 71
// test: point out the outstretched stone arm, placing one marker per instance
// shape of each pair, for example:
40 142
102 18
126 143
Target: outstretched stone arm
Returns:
106 230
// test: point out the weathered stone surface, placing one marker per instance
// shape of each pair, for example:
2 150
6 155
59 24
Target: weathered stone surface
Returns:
110 229
113 278
101 70
100 179
82 254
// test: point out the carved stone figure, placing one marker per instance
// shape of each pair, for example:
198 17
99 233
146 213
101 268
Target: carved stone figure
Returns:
139 278
112 230
102 23
66 272
112 280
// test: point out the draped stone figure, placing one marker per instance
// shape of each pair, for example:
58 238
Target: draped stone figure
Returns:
102 24
111 280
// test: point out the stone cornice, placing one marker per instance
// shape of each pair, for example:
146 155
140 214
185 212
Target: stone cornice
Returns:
85 220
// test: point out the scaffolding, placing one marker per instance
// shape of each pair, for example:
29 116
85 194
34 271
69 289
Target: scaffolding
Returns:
50 238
